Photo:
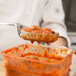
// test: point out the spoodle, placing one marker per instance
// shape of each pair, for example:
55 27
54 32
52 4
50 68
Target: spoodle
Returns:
19 26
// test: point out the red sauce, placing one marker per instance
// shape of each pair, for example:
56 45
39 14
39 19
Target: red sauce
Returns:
32 42
26 46
36 29
40 42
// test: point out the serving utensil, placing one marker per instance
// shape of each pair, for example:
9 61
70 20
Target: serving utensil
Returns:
40 37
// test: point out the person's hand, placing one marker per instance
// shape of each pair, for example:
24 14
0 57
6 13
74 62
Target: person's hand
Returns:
60 42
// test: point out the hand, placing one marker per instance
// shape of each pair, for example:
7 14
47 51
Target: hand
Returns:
60 42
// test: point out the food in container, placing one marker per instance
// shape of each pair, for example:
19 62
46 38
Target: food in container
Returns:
37 60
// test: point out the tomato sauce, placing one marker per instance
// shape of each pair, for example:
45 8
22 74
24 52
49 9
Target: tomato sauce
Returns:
36 29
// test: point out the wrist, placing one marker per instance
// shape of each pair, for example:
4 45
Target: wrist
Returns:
63 41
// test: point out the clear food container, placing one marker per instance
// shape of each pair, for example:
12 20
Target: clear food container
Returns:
37 60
